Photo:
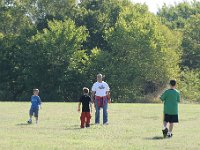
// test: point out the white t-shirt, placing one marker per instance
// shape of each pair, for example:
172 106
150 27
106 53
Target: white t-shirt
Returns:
100 88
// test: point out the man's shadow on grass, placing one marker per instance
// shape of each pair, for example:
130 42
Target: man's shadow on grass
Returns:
155 138
76 127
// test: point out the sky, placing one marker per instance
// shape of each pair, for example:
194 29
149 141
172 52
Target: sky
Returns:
155 4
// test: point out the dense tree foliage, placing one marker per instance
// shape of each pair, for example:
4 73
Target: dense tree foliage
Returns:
189 84
14 20
49 60
191 43
175 17
59 47
140 43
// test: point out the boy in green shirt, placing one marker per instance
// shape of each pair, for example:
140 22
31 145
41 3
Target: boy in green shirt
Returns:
170 98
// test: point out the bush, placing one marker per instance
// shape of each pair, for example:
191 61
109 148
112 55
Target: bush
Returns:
190 85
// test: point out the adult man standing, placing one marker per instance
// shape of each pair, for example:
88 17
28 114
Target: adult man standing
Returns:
100 95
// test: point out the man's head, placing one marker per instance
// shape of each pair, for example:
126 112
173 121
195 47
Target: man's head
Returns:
35 91
99 77
85 90
172 83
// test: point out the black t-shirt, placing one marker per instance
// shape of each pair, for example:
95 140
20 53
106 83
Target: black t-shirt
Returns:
85 100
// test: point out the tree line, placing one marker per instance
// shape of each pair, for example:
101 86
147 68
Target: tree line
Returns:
59 47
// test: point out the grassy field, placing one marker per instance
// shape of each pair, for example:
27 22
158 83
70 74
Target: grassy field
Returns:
131 127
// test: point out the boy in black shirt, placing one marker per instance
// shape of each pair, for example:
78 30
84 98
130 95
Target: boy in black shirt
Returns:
85 100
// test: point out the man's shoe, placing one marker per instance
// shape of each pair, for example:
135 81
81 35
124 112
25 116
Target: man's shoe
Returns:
105 123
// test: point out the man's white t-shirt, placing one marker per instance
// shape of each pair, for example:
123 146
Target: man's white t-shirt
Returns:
100 88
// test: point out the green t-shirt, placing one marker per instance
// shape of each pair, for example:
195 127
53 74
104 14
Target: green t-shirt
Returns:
171 97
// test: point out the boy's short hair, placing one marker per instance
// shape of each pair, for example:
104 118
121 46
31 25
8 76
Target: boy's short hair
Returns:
172 82
85 90
34 90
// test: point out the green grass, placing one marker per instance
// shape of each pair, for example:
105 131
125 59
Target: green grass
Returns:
131 127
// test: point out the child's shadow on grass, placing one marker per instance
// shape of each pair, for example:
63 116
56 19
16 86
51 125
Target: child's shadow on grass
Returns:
75 127
155 138
22 124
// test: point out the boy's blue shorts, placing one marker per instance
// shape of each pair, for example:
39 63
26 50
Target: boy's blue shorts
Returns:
34 111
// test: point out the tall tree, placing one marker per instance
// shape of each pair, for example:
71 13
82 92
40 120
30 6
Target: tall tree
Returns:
51 9
175 16
52 60
145 54
59 59
98 16
14 19
191 43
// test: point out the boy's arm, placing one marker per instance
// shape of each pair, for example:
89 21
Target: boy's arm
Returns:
162 97
79 105
179 98
40 103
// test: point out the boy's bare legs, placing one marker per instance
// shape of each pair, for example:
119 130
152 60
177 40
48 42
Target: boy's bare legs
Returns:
36 118
171 125
164 124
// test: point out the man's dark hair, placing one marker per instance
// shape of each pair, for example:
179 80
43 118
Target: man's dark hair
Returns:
172 82
85 90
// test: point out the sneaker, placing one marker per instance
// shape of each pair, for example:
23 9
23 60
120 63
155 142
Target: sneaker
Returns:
170 135
87 125
165 131
29 121
105 123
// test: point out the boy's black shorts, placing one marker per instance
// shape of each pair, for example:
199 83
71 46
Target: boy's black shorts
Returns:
171 118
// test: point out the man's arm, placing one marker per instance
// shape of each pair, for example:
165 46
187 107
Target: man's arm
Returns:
108 93
108 96
107 89
93 96
90 107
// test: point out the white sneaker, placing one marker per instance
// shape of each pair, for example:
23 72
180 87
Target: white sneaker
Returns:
29 121
105 123
169 135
